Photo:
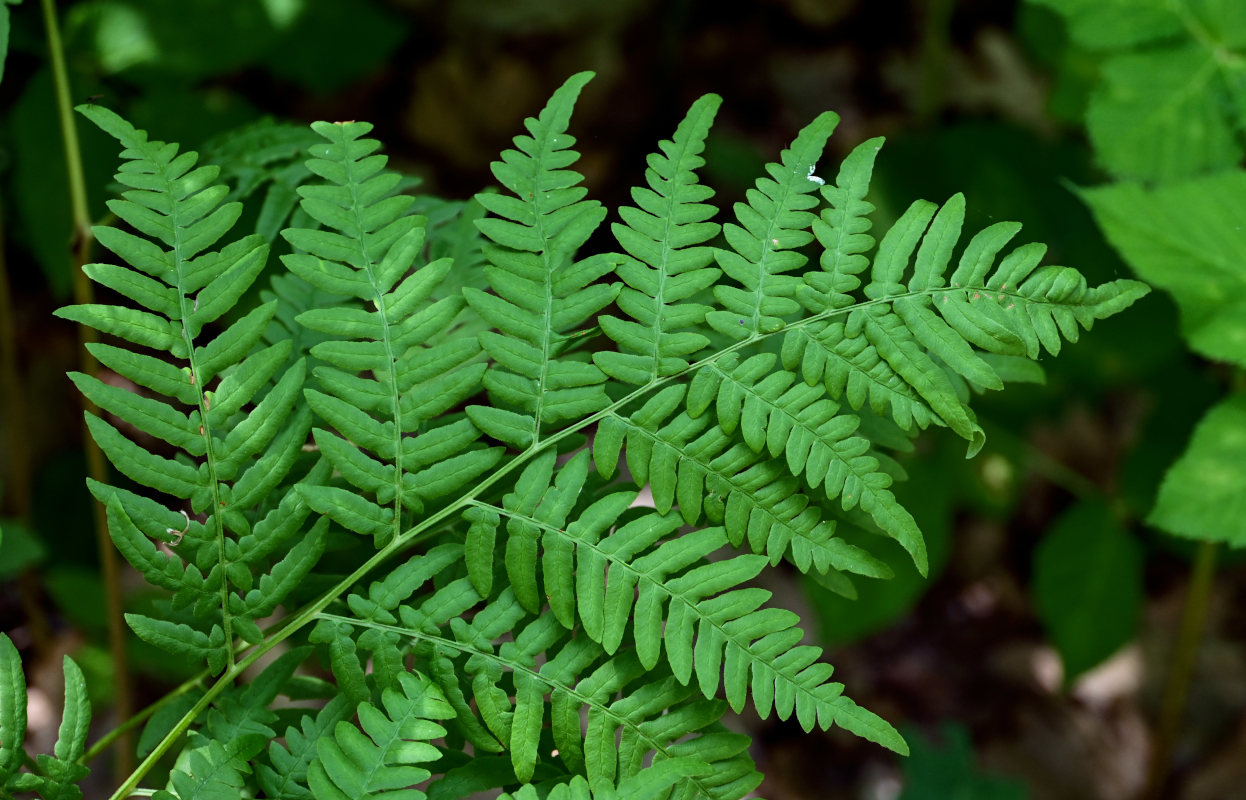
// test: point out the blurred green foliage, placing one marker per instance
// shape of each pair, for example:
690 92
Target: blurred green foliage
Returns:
947 771
1088 586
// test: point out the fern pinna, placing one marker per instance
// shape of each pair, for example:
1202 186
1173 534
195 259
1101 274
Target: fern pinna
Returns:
503 608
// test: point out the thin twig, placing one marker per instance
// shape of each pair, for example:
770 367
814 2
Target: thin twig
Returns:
96 467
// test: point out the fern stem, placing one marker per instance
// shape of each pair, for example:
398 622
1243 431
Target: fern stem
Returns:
210 458
132 722
96 467
1181 670
69 132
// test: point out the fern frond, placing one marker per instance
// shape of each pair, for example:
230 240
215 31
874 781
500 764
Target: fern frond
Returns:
399 613
665 238
284 776
382 605
620 732
695 465
638 575
542 295
901 346
772 225
368 253
381 761
654 783
210 773
799 423
53 776
228 460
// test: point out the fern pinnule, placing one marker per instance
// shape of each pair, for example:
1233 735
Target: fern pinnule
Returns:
669 262
228 461
284 773
56 774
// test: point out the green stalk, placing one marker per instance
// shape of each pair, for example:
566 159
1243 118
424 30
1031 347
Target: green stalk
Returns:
1181 671
96 467
17 467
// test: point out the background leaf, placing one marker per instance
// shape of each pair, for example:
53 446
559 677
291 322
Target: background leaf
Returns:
1087 586
1188 238
1203 496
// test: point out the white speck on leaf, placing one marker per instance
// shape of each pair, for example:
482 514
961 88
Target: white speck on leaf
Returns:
815 178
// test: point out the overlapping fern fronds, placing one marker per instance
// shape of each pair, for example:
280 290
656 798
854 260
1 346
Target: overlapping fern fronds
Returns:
240 547
514 597
382 383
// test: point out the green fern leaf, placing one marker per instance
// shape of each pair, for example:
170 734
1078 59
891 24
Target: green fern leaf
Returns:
371 246
798 422
53 776
12 710
183 286
211 773
624 577
691 462
286 778
72 735
574 673
582 644
900 346
669 263
541 294
654 783
772 226
381 761
181 639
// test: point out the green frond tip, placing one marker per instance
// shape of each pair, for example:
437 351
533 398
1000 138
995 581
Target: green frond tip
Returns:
666 238
112 124
765 243
56 774
12 709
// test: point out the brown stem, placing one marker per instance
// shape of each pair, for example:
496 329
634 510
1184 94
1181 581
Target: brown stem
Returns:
1181 672
96 467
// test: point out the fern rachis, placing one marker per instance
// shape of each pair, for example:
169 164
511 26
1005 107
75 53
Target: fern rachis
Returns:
456 443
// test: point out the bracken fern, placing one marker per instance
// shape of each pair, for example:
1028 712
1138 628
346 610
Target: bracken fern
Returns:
465 416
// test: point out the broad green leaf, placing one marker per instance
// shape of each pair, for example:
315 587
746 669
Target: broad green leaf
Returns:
1188 238
1203 496
1088 562
1167 113
948 771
